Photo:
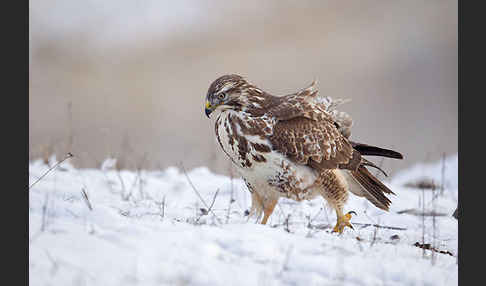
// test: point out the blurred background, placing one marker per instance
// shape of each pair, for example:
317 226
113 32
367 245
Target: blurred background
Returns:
127 79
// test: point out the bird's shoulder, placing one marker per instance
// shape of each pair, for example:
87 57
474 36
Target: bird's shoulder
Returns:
301 127
305 131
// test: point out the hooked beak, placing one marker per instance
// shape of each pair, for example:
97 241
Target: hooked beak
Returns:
208 108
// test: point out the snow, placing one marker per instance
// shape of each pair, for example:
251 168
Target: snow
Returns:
154 233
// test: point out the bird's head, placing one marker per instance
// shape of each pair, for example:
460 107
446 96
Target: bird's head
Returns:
228 92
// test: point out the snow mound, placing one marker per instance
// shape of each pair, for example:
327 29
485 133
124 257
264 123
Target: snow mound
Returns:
118 227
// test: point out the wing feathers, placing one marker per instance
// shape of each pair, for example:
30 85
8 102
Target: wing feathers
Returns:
372 188
315 143
369 150
365 162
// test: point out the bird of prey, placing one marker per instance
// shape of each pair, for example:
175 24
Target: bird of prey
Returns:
295 146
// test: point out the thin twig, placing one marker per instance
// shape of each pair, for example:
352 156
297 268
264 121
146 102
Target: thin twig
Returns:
68 155
55 264
70 125
287 229
425 246
193 187
214 200
231 195
442 175
134 183
163 207
86 199
122 193
309 224
433 226
44 213
282 213
375 230
210 207
327 216
423 220
197 193
139 175
364 225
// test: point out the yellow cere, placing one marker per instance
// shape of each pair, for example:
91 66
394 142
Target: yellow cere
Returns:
208 105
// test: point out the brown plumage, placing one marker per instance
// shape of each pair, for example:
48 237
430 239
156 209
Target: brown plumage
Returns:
374 188
296 146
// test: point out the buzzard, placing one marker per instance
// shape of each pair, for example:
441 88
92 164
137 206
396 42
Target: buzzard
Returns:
295 146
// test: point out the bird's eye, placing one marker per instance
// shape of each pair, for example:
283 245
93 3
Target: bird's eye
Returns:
222 95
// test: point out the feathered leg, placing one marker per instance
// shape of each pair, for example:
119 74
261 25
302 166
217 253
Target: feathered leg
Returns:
268 207
335 190
256 209
261 205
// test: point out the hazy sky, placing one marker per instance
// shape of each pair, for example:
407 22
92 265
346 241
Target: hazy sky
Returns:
128 78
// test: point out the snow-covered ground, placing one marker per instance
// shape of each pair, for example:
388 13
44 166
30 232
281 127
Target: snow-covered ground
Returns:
147 228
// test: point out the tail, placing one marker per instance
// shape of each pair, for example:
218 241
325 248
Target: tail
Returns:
369 150
371 188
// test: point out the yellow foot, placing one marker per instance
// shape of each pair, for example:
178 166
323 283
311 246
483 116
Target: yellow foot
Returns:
342 222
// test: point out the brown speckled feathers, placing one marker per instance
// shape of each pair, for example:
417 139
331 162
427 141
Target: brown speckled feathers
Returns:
374 188
315 143
306 132
293 145
316 135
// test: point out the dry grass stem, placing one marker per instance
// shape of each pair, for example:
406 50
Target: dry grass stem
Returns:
68 155
86 199
205 212
197 193
364 225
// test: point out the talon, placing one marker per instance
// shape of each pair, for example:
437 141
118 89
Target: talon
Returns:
342 222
